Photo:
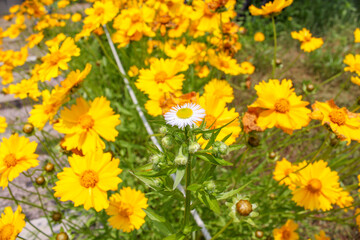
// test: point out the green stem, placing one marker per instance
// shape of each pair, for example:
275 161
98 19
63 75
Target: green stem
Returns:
331 78
187 193
275 46
223 229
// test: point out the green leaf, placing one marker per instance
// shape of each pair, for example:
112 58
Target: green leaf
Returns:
153 216
194 187
210 201
159 222
231 193
180 172
176 236
214 160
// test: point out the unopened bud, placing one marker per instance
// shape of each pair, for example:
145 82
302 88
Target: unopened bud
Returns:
28 128
40 180
254 141
49 167
163 130
223 149
194 147
155 159
310 87
259 233
278 62
207 136
167 142
272 155
56 216
180 159
210 186
244 207
62 236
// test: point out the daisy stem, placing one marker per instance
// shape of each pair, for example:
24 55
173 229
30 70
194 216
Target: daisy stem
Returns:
187 192
275 45
223 229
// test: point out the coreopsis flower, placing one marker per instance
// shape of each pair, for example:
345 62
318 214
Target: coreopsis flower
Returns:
76 17
133 71
15 29
247 68
126 209
345 124
25 88
203 71
357 219
34 39
3 124
17 154
88 179
357 35
355 80
101 13
270 8
185 55
353 63
162 76
345 200
322 236
287 231
280 106
86 122
317 187
220 89
63 3
58 59
224 63
188 114
56 40
308 42
41 113
259 37
282 171
11 223
241 207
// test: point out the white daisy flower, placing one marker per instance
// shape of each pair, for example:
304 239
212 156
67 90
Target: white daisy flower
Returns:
186 115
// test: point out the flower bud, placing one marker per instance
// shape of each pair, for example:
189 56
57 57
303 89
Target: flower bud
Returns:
28 128
49 167
56 216
278 62
155 158
180 159
334 141
244 207
272 196
259 233
310 87
223 149
272 155
207 136
62 236
210 186
167 142
40 180
254 141
194 147
163 130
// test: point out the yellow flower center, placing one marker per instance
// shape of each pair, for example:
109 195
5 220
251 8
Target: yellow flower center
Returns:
10 160
184 113
337 116
210 121
7 231
181 56
286 234
99 11
314 185
86 121
89 179
282 105
160 77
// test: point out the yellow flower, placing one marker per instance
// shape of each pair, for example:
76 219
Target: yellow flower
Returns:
76 17
283 169
185 55
84 123
317 187
11 223
270 8
357 212
101 13
355 80
357 35
202 71
345 200
88 179
133 71
220 89
308 43
259 37
287 231
280 105
58 59
126 209
247 68
17 154
25 88
353 62
34 39
345 124
63 3
161 77
322 236
224 63
56 40
3 124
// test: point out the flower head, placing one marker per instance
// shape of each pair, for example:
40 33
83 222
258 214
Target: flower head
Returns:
353 63
3 124
357 35
274 7
11 223
241 207
317 187
88 179
259 37
186 115
126 209
282 171
322 236
287 231
308 42
17 154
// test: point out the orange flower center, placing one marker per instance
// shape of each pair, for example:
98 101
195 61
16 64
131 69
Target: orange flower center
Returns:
224 64
286 235
126 210
181 56
10 160
160 77
89 179
99 11
337 116
210 121
314 185
136 18
282 105
86 121
287 171
7 231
